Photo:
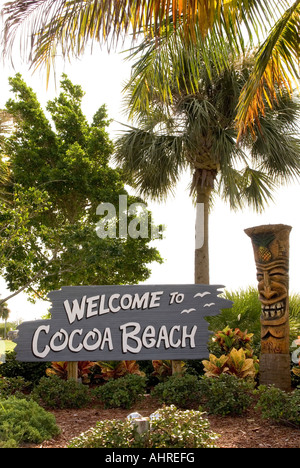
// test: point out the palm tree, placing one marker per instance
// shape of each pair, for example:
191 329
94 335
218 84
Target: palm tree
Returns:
4 314
63 27
6 126
197 131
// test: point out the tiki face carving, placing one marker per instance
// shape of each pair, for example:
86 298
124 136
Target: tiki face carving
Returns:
271 252
273 292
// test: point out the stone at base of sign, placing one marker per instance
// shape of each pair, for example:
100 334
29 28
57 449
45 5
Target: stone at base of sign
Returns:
141 425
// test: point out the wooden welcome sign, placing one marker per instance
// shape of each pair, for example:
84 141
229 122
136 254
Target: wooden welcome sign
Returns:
112 323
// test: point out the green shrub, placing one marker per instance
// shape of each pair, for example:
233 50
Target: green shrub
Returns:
170 428
122 392
181 391
226 394
106 434
278 405
24 421
30 371
54 392
13 386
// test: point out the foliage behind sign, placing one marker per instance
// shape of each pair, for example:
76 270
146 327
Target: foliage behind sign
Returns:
122 323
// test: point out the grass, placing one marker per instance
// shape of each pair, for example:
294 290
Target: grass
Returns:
5 347
9 345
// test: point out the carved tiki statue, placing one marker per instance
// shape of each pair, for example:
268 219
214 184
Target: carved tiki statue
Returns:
271 252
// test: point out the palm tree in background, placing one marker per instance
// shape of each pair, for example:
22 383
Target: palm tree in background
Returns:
196 131
6 126
4 315
63 27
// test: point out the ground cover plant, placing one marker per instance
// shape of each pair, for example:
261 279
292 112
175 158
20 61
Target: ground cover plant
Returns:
106 434
170 428
228 401
280 406
24 421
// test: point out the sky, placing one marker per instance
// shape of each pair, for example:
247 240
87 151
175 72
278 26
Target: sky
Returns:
102 76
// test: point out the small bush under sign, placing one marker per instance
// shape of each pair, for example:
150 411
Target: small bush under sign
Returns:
121 393
181 391
54 392
170 428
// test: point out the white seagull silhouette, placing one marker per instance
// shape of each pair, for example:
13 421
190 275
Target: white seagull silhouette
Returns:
202 294
187 311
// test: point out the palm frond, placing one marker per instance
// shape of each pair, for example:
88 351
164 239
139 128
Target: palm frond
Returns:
229 182
247 187
277 64
204 123
277 147
167 69
67 27
259 188
153 162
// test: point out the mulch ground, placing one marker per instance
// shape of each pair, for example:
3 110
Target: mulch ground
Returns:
246 431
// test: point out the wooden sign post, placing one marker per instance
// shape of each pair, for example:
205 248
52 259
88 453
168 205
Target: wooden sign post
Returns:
113 323
271 252
72 370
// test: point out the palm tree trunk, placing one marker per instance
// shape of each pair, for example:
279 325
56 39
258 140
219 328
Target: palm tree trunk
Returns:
202 234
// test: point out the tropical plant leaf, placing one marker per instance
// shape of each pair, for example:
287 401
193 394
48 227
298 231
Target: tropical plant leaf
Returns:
60 369
163 368
276 67
68 27
215 366
116 369
240 365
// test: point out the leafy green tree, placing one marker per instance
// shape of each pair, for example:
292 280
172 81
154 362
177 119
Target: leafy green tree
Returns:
197 132
20 232
61 172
